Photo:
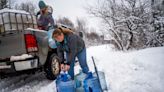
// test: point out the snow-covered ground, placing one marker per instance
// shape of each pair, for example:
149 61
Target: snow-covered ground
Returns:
133 71
136 71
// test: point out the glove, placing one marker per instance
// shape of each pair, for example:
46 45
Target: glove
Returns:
64 67
67 67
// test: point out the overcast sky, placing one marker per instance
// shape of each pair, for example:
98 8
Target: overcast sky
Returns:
72 9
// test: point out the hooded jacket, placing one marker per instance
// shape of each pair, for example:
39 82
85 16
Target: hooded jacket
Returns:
44 21
72 45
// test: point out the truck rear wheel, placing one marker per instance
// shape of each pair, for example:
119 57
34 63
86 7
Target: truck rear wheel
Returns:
52 67
2 75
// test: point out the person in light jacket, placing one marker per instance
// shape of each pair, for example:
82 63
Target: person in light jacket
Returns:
45 20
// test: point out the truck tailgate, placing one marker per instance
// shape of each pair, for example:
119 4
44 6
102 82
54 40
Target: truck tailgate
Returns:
12 44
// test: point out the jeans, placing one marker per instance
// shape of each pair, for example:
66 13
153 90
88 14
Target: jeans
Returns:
82 61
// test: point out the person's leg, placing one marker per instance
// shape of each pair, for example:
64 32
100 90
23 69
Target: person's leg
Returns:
83 61
71 70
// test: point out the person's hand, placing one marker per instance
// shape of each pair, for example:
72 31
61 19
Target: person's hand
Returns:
67 67
62 67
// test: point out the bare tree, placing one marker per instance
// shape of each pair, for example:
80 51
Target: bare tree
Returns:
26 6
3 4
93 36
66 21
156 35
81 25
128 21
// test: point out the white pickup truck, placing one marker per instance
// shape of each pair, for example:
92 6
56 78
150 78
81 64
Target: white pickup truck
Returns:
24 47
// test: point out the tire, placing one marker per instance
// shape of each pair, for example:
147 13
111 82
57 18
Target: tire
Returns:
52 67
2 76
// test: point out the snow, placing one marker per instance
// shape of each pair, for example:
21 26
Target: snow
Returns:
159 20
139 71
13 11
133 71
22 57
37 30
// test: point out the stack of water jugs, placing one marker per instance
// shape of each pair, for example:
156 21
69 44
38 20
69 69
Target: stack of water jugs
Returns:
82 83
65 83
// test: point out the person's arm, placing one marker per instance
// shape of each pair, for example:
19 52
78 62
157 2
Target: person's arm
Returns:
38 13
72 49
60 54
51 20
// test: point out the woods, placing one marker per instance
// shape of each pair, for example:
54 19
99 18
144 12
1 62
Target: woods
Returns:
131 23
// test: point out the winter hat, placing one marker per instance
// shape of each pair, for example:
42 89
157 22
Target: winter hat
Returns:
42 4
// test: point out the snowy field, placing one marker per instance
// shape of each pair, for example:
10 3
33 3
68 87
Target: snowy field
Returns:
133 71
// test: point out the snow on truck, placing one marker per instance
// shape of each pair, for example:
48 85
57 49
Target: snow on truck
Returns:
24 47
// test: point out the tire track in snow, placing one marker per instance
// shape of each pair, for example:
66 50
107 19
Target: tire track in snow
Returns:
24 81
10 81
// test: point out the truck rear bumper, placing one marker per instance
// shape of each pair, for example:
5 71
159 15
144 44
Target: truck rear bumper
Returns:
19 65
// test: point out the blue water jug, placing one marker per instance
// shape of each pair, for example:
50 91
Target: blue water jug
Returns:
91 84
51 41
79 78
102 80
64 83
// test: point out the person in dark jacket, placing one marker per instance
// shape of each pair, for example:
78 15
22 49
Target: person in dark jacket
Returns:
45 20
73 46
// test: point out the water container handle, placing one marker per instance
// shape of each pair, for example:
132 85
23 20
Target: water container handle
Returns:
64 76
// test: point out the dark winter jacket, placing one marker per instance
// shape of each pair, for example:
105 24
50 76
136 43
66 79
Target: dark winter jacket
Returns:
72 45
45 20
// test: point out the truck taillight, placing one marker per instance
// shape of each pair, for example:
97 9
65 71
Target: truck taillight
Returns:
31 43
